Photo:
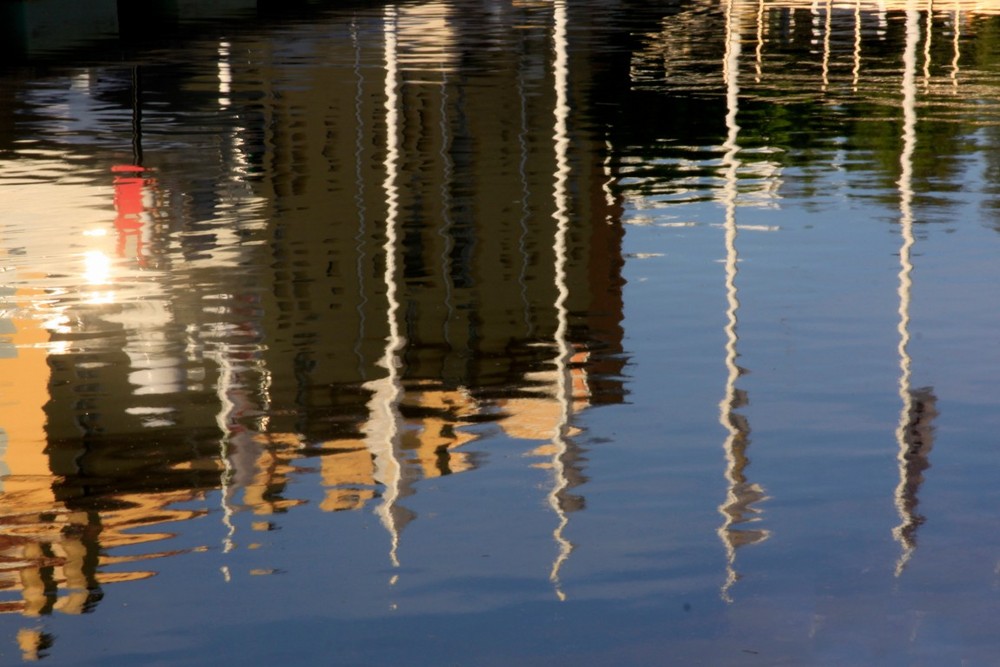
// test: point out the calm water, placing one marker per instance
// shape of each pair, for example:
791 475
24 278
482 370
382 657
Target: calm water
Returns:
478 333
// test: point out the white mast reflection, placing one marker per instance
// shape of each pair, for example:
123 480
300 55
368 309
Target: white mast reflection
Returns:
927 44
227 407
913 443
561 215
827 31
740 495
857 46
760 40
239 399
225 75
236 447
957 29
382 428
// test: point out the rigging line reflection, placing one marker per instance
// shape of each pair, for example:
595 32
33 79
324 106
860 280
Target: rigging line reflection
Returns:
136 115
244 381
359 197
227 382
445 228
740 494
913 433
382 429
226 407
522 171
242 391
561 215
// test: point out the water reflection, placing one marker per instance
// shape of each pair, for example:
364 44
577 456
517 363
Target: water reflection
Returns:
382 440
300 290
332 264
823 106
560 446
913 434
742 495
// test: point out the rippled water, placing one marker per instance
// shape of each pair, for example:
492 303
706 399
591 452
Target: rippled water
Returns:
482 333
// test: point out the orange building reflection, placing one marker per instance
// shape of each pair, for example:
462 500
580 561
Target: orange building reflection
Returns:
262 340
56 554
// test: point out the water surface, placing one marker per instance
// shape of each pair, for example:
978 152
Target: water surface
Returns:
468 333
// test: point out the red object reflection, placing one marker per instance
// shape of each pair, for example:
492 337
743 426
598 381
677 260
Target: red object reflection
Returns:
130 184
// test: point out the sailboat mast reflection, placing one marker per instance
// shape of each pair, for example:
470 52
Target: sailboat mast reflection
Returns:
383 426
758 60
913 433
226 408
827 32
927 44
856 69
740 494
956 27
561 215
